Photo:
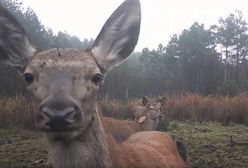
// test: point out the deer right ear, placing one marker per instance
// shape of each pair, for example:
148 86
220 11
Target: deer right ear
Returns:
162 100
15 49
144 101
119 35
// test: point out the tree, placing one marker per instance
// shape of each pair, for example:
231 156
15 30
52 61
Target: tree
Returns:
198 58
232 37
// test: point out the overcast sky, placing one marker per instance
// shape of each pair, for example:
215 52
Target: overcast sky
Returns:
160 18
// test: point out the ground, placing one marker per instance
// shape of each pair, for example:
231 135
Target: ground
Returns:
208 145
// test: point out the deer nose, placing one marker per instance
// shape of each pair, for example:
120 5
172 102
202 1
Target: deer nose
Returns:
57 120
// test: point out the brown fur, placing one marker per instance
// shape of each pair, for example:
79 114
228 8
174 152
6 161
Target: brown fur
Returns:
145 150
121 129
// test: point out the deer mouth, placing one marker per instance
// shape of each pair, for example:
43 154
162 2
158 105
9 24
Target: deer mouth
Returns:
57 127
58 124
56 131
62 136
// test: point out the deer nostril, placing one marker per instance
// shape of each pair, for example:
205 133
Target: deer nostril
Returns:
69 113
47 111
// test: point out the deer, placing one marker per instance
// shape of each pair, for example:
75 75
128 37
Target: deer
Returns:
146 118
149 109
63 84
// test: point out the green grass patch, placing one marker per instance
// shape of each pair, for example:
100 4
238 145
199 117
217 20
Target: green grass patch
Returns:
208 146
22 149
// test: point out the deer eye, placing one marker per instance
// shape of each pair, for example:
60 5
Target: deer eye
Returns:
29 78
97 79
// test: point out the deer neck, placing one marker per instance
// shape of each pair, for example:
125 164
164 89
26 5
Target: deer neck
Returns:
88 150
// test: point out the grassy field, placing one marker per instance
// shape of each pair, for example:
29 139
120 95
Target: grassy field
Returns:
208 145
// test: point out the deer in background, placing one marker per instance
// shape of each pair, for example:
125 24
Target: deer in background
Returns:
64 83
147 118
149 114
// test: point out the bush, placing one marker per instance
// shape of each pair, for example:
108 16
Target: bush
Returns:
16 112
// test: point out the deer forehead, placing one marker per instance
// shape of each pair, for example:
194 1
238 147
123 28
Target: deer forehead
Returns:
63 60
154 105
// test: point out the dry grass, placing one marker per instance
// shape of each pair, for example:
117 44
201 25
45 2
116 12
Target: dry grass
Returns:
116 109
17 111
191 107
211 108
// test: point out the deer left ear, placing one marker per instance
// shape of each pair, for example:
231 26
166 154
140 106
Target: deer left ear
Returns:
119 35
162 100
141 119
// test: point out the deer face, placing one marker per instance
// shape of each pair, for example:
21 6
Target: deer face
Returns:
150 112
153 110
64 85
64 82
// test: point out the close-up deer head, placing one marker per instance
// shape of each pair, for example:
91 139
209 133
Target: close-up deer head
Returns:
64 82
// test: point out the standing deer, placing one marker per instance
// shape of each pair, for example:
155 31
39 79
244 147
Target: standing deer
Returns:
64 83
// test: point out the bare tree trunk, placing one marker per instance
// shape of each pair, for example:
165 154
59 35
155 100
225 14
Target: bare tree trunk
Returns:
226 68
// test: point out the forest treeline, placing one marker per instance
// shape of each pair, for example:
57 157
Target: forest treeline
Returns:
207 61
